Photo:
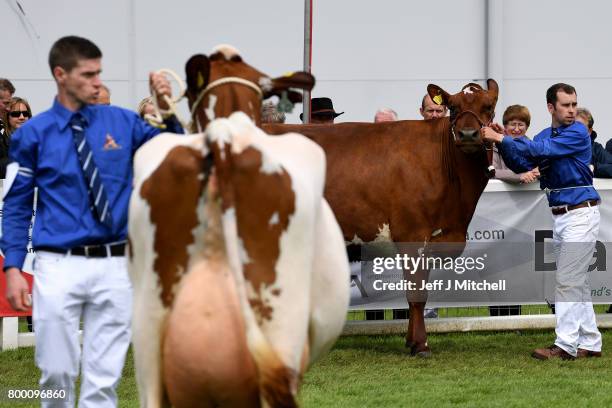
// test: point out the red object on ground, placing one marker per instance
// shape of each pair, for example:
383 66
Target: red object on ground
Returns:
5 308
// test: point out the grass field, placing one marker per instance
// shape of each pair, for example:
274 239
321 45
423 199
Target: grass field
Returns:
466 370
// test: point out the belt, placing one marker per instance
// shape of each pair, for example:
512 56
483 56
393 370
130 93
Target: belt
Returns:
90 251
567 208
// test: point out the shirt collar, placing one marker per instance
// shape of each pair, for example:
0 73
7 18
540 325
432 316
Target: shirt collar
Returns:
64 115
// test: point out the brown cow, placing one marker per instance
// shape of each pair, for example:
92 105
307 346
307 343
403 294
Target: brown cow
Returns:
408 181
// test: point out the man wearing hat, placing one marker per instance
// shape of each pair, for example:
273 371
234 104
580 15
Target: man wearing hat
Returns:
322 111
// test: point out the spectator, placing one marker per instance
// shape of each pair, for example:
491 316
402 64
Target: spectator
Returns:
6 92
270 114
19 112
79 238
431 110
563 154
385 115
322 111
104 95
602 159
516 121
146 107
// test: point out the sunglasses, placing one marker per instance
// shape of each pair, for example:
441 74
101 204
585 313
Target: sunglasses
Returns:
16 114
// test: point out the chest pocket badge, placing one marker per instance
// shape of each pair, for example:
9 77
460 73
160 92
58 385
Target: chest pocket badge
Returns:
110 143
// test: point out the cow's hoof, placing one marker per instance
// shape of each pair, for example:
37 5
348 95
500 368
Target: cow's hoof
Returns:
409 344
423 352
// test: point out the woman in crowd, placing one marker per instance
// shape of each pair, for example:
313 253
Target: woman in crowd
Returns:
19 112
516 121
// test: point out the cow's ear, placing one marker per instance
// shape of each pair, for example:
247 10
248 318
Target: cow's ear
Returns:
198 73
437 94
295 80
492 86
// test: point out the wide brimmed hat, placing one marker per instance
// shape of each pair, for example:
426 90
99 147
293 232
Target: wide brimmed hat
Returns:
322 107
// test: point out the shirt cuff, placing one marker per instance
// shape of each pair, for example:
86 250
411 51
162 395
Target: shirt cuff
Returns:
14 260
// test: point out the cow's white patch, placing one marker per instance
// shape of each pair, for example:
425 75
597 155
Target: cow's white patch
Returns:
356 241
274 219
384 234
436 232
210 111
243 131
468 90
269 166
219 131
244 255
227 50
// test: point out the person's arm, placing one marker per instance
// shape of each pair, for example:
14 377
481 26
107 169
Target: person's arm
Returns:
570 141
18 197
515 159
502 172
17 214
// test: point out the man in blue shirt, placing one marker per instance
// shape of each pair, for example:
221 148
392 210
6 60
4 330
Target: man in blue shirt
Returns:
563 154
79 156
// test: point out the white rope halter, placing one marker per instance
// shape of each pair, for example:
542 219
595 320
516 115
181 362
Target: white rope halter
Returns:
157 119
223 81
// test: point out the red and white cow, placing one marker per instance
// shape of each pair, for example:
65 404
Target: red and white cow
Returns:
238 265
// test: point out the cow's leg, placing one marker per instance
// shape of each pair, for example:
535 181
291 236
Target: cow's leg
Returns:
147 334
416 337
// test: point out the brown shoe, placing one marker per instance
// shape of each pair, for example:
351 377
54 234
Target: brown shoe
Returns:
583 353
553 351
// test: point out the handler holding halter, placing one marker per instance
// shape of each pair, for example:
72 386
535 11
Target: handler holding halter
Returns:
79 155
563 154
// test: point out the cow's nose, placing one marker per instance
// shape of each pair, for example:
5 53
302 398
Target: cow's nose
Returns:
468 135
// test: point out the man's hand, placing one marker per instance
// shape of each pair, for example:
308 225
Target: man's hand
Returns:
17 290
490 135
159 85
530 176
497 127
527 177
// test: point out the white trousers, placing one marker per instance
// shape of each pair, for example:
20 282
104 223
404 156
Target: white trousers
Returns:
574 237
67 288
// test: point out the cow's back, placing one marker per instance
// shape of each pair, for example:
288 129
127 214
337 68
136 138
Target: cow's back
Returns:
382 172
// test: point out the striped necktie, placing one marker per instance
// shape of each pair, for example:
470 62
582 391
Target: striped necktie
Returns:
97 195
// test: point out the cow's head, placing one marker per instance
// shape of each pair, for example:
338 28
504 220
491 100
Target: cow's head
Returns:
470 110
223 83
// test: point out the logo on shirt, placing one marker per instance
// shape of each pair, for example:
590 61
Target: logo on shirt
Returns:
110 143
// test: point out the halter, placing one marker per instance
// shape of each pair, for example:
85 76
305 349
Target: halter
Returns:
224 81
487 145
157 118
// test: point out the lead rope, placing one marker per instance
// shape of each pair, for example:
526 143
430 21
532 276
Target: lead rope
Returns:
157 118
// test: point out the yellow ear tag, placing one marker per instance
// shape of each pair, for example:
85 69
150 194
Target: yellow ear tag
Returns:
200 80
289 74
438 99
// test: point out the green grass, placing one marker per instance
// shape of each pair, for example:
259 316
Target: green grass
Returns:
466 370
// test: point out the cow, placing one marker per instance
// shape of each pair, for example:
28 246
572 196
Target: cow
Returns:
409 181
237 262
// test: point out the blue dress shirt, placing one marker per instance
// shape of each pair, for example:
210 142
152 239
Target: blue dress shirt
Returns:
563 159
44 150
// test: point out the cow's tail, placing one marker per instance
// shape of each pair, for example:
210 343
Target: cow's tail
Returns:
278 383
